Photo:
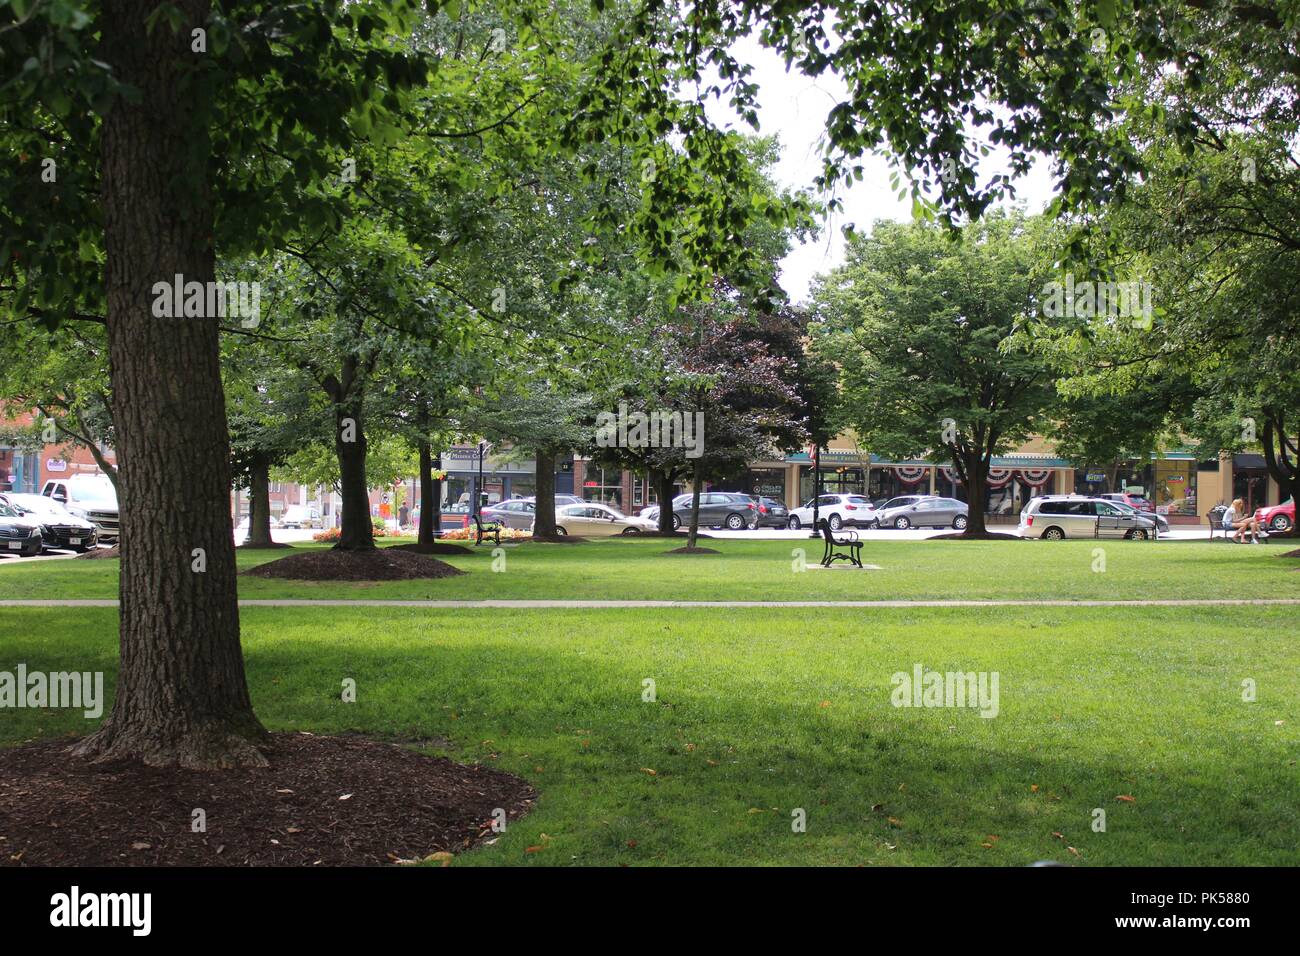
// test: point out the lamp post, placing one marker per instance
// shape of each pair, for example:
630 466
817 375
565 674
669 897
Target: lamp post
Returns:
478 490
817 489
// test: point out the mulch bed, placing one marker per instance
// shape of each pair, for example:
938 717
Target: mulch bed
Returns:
381 564
683 535
696 550
270 546
438 547
986 536
329 801
94 553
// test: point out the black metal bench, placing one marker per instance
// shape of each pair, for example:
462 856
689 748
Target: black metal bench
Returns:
491 529
1215 517
849 541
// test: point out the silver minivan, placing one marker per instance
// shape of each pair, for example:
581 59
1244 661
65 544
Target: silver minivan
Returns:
1053 517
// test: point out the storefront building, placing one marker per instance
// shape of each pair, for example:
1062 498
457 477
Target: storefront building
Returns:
1175 482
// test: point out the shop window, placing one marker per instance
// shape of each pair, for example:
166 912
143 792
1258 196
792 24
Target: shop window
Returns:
603 486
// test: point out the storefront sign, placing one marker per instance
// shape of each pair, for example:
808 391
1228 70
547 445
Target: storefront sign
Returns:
1095 476
55 464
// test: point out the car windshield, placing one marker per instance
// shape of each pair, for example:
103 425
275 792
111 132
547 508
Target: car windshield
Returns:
8 511
96 495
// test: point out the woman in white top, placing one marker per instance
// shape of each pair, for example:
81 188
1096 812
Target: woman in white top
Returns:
1236 521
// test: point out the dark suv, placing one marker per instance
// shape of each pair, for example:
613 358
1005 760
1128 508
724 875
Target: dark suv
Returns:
718 509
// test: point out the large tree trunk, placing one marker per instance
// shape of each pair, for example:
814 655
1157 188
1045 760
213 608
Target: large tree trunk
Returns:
259 503
695 505
544 477
664 489
977 471
181 693
357 533
428 501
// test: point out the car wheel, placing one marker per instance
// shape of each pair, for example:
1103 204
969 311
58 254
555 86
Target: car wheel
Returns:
959 522
559 529
631 530
1280 524
677 522
836 522
794 524
1053 534
902 523
1137 534
735 523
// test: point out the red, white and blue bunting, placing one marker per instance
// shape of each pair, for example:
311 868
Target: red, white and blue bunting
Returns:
1035 477
1000 477
911 474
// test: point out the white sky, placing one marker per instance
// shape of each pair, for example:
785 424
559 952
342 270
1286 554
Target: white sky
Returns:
794 106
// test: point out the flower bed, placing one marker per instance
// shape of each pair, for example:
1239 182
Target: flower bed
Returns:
333 534
467 534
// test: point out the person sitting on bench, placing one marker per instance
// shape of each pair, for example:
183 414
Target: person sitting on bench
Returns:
1237 521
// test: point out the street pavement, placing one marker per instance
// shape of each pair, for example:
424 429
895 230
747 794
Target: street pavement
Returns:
296 536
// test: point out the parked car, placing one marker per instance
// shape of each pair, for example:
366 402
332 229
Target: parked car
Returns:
300 516
591 520
92 497
839 511
513 513
1053 517
60 528
887 511
1279 518
1134 501
19 533
924 511
559 500
718 509
771 513
1162 523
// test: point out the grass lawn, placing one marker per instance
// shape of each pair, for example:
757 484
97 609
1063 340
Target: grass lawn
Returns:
761 712
764 570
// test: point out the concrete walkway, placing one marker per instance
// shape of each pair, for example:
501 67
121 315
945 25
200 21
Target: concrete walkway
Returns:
602 605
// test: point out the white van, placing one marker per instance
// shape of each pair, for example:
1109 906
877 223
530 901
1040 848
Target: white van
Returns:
92 497
1053 517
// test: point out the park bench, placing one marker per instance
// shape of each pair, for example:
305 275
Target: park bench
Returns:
491 529
849 541
1215 517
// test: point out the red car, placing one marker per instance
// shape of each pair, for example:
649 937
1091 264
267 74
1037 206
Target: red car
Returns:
1279 518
